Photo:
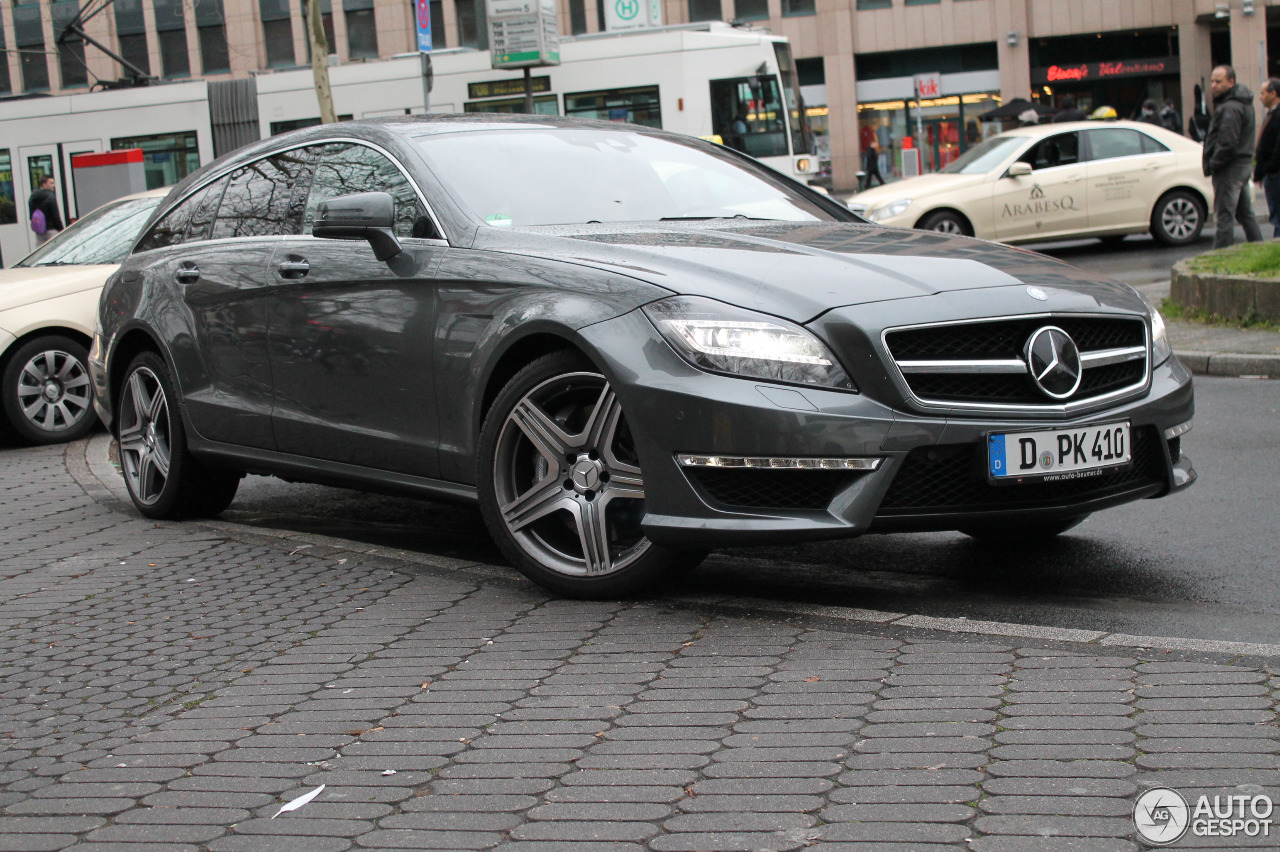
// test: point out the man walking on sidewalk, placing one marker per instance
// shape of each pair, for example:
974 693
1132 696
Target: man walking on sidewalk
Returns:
1266 169
1228 157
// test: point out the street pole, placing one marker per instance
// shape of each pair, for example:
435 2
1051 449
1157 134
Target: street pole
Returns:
426 81
528 90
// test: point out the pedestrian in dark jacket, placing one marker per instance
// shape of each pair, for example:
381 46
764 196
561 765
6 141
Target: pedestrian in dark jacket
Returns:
1266 167
1228 157
1169 118
44 200
1069 110
1148 114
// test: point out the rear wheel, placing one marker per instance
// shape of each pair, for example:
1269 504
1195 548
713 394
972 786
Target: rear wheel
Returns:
163 478
47 394
560 484
1022 533
946 222
1178 218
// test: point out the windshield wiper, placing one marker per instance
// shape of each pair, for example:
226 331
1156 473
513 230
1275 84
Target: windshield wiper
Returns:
741 216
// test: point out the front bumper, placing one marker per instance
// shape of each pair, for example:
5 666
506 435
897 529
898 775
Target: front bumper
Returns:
930 477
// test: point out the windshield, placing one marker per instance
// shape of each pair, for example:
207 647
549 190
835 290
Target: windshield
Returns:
103 236
539 176
986 156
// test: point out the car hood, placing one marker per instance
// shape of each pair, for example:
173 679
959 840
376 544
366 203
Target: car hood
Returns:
24 285
801 270
915 188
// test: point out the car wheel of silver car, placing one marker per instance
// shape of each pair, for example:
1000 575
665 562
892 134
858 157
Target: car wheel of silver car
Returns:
945 222
561 487
1178 218
48 397
163 479
1022 532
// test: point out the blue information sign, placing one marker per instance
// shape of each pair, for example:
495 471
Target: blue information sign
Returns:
423 15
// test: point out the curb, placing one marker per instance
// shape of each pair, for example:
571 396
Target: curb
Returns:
97 475
1230 364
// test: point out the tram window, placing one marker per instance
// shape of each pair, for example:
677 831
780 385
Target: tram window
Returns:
166 157
260 200
639 105
748 115
8 207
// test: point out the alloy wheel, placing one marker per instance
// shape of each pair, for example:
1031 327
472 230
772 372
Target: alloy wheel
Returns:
1180 218
567 479
145 450
54 392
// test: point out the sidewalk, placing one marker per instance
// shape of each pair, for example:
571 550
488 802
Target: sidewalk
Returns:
171 686
1220 351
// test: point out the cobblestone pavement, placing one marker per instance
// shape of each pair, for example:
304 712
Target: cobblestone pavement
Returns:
172 686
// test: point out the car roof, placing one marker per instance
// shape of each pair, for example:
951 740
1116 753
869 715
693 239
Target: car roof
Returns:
1046 129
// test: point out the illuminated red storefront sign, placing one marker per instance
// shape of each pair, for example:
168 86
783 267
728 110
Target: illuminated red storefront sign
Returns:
1087 71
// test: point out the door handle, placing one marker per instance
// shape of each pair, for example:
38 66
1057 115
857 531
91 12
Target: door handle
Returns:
188 274
294 268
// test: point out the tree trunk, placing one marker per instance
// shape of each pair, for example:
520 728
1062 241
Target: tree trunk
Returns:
320 62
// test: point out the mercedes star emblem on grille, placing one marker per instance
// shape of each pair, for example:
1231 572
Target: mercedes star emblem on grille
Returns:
1054 361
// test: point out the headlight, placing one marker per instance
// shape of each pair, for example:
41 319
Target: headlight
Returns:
888 211
1160 347
720 338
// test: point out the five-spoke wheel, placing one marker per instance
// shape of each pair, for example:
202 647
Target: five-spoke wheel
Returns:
561 486
164 481
47 394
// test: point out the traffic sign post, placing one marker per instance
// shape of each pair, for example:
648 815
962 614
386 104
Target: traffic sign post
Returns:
422 13
523 34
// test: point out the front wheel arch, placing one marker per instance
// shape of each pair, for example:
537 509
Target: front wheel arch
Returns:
931 220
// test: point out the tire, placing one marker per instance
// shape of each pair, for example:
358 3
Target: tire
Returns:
560 485
1022 533
48 398
1178 218
946 222
163 478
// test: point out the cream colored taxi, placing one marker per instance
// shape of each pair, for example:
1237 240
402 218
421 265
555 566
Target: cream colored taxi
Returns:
48 305
1053 181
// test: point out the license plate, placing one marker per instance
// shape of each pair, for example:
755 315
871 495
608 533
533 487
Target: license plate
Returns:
1051 455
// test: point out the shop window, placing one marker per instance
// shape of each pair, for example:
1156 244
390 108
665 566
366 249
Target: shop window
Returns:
704 10
751 10
71 64
472 24
362 34
637 105
212 34
8 206
166 157
982 56
28 37
277 33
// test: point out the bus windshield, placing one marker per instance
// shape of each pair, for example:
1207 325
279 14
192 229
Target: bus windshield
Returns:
534 176
801 133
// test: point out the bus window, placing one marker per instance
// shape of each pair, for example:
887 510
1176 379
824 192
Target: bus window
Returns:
8 204
639 105
747 113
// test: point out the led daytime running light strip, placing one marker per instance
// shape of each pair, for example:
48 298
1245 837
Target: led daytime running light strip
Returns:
1174 431
771 463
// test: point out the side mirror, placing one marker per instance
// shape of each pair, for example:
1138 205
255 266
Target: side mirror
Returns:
1019 169
367 216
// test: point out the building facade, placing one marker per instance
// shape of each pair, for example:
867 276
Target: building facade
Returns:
903 82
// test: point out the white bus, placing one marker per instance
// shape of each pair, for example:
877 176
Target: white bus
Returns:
737 86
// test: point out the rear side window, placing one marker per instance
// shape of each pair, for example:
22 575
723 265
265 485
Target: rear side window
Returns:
1116 142
263 198
345 169
172 227
206 209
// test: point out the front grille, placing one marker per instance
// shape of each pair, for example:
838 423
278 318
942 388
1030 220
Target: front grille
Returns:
810 490
983 364
952 478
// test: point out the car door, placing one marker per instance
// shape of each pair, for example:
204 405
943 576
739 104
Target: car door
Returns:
221 269
1050 201
1126 170
351 335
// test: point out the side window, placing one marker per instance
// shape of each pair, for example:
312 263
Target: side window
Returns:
1152 146
345 169
1062 149
206 209
171 228
263 198
1115 142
